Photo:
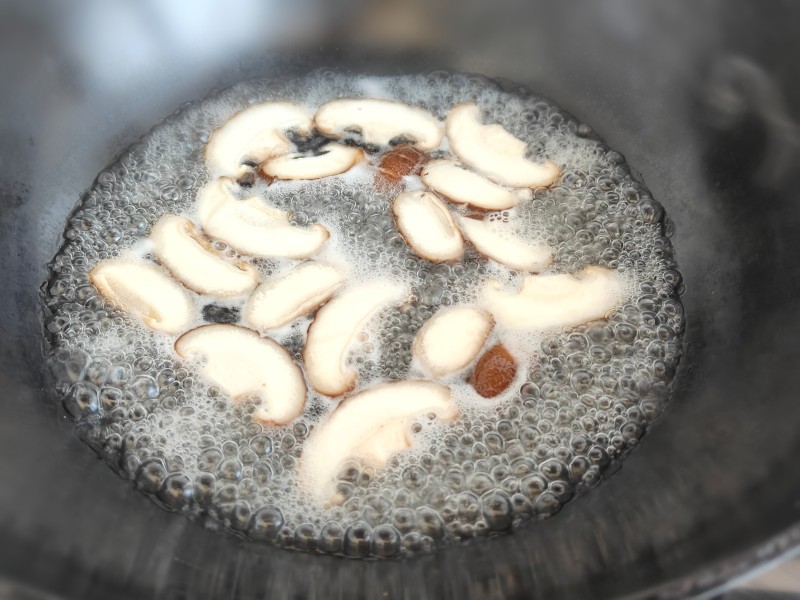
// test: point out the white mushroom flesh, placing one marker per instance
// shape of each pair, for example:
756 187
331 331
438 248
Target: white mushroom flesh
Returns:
492 151
192 260
371 426
427 226
252 227
555 301
252 136
379 122
245 366
495 241
385 442
333 159
333 330
463 186
451 339
280 301
145 291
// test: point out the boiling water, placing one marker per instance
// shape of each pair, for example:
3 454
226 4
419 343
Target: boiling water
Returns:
582 397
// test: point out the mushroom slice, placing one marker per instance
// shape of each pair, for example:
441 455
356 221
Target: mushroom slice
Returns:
332 160
145 291
387 441
451 339
463 186
396 164
555 301
371 425
192 260
245 365
331 335
427 226
494 372
504 247
493 151
379 122
280 301
252 227
252 136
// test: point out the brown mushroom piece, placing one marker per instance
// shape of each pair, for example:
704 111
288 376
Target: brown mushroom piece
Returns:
494 372
396 164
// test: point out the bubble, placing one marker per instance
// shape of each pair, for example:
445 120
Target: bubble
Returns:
546 505
230 469
144 386
82 400
386 541
305 537
533 485
118 374
151 475
177 491
497 511
415 477
332 538
265 524
204 488
357 540
261 445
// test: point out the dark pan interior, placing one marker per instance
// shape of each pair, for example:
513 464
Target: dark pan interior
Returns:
702 103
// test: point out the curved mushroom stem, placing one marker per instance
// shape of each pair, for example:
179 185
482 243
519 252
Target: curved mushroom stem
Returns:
491 150
252 136
371 425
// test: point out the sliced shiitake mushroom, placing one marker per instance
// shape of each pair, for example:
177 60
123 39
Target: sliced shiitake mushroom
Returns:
462 186
252 136
146 291
388 440
495 241
427 226
195 263
278 302
552 301
252 227
333 330
379 122
372 426
332 159
245 366
492 151
451 339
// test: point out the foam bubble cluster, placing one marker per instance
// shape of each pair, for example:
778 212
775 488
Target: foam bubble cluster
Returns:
581 398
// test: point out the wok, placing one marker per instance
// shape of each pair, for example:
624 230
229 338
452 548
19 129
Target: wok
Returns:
701 100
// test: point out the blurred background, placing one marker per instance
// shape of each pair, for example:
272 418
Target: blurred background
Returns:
80 81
